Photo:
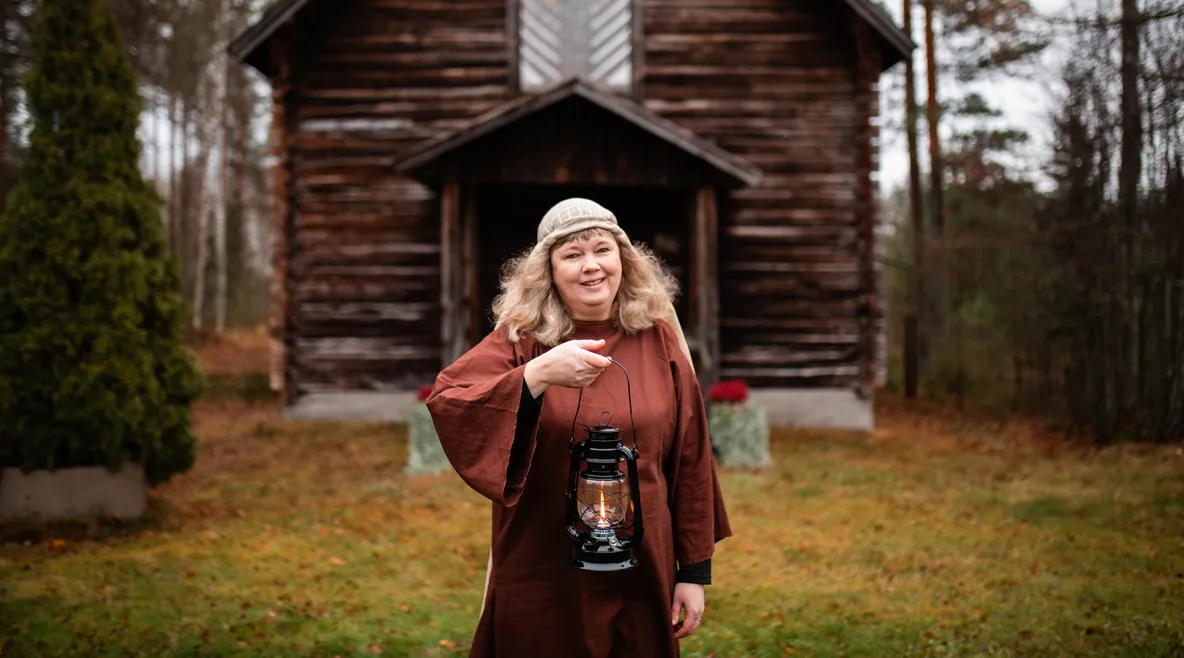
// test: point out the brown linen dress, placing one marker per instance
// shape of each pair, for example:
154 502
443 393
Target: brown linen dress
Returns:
536 604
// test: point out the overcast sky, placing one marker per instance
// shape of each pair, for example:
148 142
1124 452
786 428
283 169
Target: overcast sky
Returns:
1026 104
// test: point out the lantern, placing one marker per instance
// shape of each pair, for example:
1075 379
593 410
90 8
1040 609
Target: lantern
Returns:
602 504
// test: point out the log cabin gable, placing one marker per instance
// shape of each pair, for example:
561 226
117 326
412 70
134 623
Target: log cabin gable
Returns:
599 41
250 47
533 139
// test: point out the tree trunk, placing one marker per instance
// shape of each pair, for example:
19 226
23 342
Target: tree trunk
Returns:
220 73
152 148
1132 132
243 125
914 346
238 249
1132 289
206 174
173 201
5 106
185 194
4 110
937 208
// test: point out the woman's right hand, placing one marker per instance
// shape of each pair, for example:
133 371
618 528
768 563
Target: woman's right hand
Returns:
572 364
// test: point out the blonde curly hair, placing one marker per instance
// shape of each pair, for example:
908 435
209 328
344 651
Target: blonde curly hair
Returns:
530 303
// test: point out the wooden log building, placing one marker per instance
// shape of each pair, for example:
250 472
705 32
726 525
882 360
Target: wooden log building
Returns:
417 144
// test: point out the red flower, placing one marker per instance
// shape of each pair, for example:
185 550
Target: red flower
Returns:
728 390
423 394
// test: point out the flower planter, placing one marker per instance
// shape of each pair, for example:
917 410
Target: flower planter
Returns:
70 493
739 428
425 455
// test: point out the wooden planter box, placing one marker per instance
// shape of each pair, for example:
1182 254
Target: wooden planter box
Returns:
740 434
425 456
69 493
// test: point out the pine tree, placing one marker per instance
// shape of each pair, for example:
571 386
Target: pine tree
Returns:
93 367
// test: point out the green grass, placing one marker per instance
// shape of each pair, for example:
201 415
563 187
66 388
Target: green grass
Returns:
928 538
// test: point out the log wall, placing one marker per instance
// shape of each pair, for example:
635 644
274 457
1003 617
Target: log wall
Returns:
777 83
372 78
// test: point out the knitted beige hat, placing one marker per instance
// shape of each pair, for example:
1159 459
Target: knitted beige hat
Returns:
573 215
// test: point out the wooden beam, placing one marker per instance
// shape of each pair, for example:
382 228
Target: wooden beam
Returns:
526 108
705 294
692 289
638 50
282 225
472 312
867 75
451 307
513 83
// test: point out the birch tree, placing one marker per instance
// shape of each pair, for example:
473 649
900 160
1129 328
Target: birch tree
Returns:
213 161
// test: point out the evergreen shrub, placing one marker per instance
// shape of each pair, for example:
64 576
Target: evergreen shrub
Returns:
94 370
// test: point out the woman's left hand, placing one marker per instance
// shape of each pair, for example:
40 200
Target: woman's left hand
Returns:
691 598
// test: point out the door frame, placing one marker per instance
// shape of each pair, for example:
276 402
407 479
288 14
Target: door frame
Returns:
461 325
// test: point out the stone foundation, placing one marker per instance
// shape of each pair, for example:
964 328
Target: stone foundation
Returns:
73 493
816 408
819 408
363 406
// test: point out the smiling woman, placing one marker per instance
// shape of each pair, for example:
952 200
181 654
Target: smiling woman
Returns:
587 273
583 299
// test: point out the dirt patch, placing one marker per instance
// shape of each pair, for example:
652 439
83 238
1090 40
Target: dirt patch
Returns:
235 353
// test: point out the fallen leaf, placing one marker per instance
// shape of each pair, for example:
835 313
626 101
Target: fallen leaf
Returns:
374 648
405 608
447 643
337 561
57 543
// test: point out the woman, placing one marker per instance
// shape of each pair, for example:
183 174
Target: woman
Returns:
582 296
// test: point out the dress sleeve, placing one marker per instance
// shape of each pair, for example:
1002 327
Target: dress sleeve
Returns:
476 406
696 502
698 573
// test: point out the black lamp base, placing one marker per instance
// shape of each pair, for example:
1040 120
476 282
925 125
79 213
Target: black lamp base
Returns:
595 556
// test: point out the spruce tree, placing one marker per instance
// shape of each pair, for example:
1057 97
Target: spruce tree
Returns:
93 366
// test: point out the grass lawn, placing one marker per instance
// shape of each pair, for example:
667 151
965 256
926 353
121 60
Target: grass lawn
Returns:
934 536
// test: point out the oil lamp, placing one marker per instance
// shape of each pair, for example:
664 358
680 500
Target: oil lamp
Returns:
603 506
